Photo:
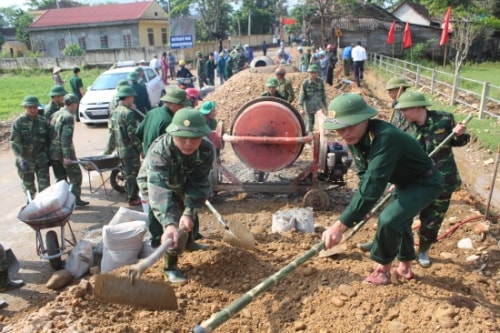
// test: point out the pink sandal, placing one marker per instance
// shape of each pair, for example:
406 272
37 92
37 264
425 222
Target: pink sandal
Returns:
407 276
378 277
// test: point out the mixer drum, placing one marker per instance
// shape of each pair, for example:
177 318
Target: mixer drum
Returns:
268 117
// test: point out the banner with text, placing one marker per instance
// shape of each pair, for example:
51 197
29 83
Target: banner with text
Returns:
182 33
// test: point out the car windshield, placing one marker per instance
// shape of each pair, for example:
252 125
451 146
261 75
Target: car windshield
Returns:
108 81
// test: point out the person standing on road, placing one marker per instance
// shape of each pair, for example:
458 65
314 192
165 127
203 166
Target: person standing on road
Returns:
285 86
200 69
140 71
430 128
171 64
113 104
164 68
62 150
358 55
141 100
56 95
332 61
76 84
264 48
221 67
124 122
174 176
155 64
347 59
312 97
210 66
383 154
29 142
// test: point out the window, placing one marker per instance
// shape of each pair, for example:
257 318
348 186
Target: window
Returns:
151 37
61 43
40 46
104 42
164 36
82 43
127 41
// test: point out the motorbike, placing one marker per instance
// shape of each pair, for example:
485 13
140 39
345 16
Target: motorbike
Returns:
186 82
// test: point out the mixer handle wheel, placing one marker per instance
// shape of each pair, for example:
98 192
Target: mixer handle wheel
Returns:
317 199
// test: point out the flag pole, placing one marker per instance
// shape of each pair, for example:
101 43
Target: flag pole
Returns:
444 55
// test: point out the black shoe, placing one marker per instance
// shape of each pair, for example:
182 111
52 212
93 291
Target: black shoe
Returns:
12 284
193 246
81 203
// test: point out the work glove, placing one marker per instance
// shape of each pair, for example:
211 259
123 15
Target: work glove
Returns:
23 165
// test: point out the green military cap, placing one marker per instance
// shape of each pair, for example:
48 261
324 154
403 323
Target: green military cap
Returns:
207 107
133 76
70 99
122 83
198 53
126 91
139 69
313 68
30 100
188 123
411 99
238 47
347 110
175 95
396 83
57 91
272 82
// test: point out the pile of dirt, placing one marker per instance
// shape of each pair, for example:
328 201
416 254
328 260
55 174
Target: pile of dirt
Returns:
458 293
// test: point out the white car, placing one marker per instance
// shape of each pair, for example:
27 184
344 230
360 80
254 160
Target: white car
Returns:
94 106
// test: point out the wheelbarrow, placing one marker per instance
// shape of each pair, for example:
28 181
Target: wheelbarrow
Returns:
50 250
102 164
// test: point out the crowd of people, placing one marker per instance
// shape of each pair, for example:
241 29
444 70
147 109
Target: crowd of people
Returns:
166 154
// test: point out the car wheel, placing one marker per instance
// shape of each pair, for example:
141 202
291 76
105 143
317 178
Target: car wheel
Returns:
160 103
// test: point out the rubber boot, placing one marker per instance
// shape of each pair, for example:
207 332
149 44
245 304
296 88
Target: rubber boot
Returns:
423 255
170 271
365 247
191 245
7 284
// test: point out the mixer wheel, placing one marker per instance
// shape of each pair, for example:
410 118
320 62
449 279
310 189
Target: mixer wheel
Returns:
317 199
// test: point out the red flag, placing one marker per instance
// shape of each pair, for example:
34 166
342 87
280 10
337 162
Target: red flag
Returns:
391 34
446 25
407 36
288 20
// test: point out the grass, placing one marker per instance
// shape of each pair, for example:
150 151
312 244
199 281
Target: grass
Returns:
486 131
36 82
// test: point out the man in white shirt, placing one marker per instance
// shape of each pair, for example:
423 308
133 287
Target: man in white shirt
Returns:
155 63
358 55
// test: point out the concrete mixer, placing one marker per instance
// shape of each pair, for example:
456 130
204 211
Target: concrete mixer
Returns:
268 135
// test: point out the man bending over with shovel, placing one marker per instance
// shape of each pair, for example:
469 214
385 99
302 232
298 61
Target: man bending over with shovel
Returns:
174 175
383 154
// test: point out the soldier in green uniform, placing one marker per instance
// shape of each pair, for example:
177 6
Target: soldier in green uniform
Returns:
158 119
141 100
29 141
113 103
430 128
200 69
174 176
209 111
272 88
312 97
140 72
285 86
62 150
124 123
76 84
383 154
395 87
56 95
5 282
237 61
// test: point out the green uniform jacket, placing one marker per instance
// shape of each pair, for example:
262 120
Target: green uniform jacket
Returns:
154 125
278 95
29 141
176 184
124 122
286 90
141 101
312 95
438 125
62 125
384 155
238 62
76 83
50 109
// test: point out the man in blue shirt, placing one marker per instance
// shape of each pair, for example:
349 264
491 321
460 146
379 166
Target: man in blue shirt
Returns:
347 59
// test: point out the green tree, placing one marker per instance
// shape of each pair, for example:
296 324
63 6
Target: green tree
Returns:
178 8
72 50
22 23
214 19
52 4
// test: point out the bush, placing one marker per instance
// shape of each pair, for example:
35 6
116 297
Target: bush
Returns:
72 50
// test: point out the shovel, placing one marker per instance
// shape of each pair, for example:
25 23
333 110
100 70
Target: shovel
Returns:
130 290
235 233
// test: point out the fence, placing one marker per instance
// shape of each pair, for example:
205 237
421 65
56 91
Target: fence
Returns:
483 97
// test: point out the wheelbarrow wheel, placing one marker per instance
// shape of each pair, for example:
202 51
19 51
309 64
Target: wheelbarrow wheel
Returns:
117 180
53 249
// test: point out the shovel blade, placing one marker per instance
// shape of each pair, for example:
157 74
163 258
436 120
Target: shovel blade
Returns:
12 263
238 235
333 251
147 294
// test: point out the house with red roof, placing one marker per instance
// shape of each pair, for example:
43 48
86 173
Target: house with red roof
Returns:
111 26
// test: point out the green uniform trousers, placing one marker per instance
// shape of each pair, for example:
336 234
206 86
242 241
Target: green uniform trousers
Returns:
28 180
394 236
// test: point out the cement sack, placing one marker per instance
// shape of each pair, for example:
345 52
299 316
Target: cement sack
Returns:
59 279
121 244
49 200
127 215
301 219
81 259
